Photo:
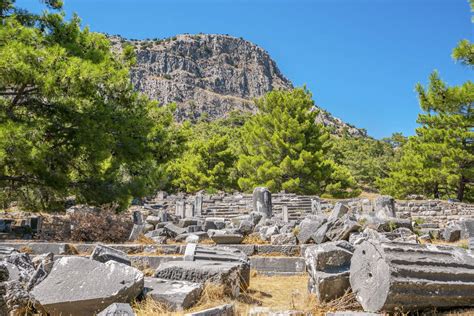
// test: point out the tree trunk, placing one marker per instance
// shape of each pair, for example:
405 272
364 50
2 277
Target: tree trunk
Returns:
436 191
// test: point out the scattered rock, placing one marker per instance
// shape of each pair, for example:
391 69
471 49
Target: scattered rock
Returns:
222 310
176 295
117 309
227 238
103 254
80 286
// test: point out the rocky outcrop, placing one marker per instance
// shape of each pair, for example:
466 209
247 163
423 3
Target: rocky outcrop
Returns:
211 75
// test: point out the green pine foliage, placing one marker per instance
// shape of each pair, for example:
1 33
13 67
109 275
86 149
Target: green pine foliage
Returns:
210 155
283 149
439 161
70 122
367 159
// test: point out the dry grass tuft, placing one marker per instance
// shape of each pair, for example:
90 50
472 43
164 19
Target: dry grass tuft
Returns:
150 307
149 272
26 249
254 239
207 241
463 243
142 239
347 302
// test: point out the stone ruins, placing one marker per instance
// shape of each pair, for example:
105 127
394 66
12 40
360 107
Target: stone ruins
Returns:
395 256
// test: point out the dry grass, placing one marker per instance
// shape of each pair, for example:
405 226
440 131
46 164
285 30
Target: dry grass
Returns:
142 239
207 241
275 293
347 302
254 240
464 243
150 307
275 254
26 249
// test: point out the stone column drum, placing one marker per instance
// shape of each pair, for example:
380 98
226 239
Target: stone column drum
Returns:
262 202
391 276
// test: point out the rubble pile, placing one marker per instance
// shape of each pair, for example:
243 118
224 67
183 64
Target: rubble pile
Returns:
388 262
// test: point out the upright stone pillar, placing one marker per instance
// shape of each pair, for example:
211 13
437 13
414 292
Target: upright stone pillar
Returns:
285 213
188 211
198 205
180 208
262 202
316 206
384 206
385 276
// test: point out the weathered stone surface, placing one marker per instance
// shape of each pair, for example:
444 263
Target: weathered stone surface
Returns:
153 219
222 310
219 272
342 228
176 295
272 265
329 286
452 233
308 227
384 207
178 70
199 253
286 250
283 239
385 276
262 202
80 286
338 211
104 253
20 267
117 309
137 230
328 267
227 238
172 230
246 227
329 257
44 265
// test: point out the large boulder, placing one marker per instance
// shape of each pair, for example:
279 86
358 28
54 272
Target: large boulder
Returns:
328 267
308 228
342 228
80 286
222 273
227 238
176 295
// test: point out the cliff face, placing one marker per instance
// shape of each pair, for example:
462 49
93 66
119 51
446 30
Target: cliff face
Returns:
211 75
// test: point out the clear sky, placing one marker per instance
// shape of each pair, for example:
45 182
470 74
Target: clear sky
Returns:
360 58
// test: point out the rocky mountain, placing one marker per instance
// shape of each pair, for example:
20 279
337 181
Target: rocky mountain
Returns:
211 75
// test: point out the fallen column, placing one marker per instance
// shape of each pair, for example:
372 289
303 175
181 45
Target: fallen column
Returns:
387 276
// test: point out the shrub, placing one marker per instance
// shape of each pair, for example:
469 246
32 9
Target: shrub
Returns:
103 226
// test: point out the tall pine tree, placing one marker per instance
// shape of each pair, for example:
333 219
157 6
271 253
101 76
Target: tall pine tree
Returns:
439 160
284 149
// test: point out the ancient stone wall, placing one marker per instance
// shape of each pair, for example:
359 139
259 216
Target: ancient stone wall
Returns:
231 205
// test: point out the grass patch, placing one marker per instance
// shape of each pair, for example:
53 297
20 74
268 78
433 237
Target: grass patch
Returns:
254 240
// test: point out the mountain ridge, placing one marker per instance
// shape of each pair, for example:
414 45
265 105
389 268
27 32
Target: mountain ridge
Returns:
211 75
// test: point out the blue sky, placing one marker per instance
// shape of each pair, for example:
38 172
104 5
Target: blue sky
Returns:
361 59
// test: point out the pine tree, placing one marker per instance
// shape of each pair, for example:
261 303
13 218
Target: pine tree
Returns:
70 121
284 149
439 160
